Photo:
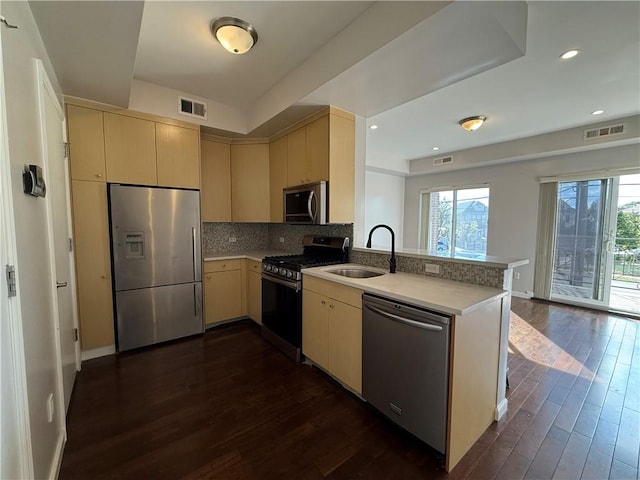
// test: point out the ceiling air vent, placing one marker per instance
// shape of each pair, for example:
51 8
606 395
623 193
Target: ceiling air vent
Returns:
604 132
442 161
192 108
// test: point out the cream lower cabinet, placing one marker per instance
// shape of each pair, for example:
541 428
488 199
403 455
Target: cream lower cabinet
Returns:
224 297
332 329
254 290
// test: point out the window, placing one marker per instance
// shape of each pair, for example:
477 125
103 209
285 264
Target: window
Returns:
455 220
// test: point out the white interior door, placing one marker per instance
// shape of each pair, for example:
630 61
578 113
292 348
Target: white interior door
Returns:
55 162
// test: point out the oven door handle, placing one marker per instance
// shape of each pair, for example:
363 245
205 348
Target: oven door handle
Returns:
291 285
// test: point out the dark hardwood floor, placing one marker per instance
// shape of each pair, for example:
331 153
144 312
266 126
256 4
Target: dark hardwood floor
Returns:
227 405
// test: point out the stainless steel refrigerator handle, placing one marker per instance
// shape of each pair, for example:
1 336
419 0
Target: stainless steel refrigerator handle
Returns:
291 285
195 301
195 267
413 323
310 205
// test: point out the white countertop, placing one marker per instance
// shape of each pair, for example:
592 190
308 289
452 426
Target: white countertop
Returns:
445 296
256 255
470 258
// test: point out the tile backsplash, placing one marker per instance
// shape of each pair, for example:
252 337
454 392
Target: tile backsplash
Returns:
264 236
460 272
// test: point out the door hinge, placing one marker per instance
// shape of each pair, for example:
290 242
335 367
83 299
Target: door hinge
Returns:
70 244
11 280
66 149
75 334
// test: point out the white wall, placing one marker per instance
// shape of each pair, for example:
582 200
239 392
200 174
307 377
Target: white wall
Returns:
20 47
513 202
384 203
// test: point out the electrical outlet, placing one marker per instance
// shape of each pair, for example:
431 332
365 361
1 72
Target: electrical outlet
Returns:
431 268
281 239
233 239
516 275
50 408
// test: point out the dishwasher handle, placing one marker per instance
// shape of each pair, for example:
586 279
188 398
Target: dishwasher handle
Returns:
406 321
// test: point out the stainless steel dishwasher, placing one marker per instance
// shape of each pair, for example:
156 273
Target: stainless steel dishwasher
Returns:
405 366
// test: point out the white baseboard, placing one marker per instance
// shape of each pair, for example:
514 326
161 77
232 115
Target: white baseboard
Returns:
56 462
527 295
501 409
98 352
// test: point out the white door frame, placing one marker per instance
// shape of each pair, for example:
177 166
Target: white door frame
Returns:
45 89
11 306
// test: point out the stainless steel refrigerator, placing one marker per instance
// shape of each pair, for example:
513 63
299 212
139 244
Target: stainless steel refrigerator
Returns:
155 247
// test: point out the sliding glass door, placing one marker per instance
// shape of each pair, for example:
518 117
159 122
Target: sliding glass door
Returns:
596 249
581 244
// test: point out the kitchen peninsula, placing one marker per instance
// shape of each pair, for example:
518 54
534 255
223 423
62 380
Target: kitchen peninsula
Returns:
475 386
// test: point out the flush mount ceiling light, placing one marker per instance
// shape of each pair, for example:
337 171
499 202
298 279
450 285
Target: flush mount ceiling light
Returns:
472 123
597 112
234 34
569 54
373 127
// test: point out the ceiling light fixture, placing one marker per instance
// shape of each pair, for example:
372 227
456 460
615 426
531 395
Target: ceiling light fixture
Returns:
597 112
373 127
234 34
435 148
472 123
569 54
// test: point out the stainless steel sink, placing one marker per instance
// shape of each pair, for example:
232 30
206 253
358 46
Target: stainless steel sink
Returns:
355 272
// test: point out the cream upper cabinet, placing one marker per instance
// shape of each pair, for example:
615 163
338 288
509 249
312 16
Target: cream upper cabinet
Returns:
86 139
250 183
308 153
178 156
325 150
215 191
277 176
130 149
93 263
317 150
341 167
296 157
332 329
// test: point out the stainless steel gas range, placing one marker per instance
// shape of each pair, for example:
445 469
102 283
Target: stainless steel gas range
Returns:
282 290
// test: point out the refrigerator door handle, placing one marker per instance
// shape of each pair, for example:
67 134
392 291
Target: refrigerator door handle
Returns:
194 256
195 301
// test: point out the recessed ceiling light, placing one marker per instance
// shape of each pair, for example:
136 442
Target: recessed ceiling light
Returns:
435 148
569 54
234 34
373 127
597 112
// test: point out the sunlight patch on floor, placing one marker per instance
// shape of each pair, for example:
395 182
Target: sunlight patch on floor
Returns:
525 340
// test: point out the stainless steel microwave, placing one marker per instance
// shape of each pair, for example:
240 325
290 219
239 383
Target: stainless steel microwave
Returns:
306 204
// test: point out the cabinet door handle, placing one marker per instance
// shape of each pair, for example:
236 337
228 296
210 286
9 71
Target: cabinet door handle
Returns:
331 305
323 302
61 284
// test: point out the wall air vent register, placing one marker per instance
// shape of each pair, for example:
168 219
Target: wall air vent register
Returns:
192 108
603 131
442 161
